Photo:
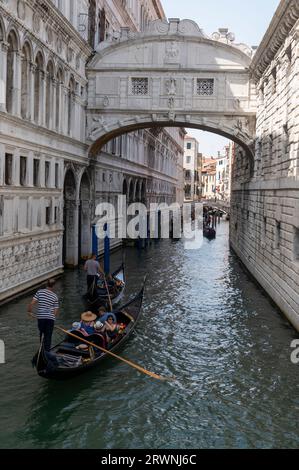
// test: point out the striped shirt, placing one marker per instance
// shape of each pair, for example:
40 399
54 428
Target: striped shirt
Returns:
47 303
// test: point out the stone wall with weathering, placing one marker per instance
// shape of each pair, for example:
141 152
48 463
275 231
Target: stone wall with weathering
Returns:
265 196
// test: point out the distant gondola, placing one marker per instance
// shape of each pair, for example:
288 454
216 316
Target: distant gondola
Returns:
209 233
67 359
97 296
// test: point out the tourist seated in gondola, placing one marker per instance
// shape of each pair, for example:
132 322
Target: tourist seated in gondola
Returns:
87 323
111 328
102 311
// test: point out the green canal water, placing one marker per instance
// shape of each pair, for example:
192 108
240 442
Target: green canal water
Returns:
204 322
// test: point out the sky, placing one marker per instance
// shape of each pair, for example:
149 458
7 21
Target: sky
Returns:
248 19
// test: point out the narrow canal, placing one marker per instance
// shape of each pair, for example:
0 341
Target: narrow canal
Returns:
204 322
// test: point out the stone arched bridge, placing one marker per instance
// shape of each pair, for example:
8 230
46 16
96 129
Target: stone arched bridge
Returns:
171 75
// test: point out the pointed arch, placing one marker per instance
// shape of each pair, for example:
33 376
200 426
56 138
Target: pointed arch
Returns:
2 30
11 71
71 100
59 83
26 79
38 92
49 93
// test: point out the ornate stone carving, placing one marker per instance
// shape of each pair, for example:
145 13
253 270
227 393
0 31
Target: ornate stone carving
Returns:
77 61
36 22
49 33
172 53
223 35
171 86
70 54
59 45
158 26
171 89
189 28
21 9
96 124
106 101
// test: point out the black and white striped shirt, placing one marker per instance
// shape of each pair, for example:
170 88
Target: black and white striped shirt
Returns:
47 303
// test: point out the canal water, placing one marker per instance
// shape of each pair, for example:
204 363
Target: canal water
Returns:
203 322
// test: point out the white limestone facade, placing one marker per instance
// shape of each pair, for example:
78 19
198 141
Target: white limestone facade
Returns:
42 134
49 185
265 195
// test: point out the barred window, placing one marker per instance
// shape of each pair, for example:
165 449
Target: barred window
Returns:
205 86
140 86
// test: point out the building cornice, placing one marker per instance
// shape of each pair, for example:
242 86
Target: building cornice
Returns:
284 19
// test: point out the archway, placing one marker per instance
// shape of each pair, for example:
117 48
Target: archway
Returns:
131 193
143 192
70 221
137 192
38 89
84 246
11 71
25 81
49 94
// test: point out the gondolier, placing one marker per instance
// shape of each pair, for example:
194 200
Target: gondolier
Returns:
93 268
47 310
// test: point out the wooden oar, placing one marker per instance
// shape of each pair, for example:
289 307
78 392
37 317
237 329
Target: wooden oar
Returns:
136 366
109 298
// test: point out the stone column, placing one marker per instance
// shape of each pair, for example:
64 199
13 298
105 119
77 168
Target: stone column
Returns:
64 110
3 74
76 128
52 173
16 204
31 75
71 232
53 104
61 174
61 108
1 215
16 169
16 97
29 213
30 159
2 164
42 171
43 88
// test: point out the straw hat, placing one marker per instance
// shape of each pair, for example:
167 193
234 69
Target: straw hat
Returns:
88 316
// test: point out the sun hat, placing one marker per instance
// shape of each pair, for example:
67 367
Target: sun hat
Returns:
88 316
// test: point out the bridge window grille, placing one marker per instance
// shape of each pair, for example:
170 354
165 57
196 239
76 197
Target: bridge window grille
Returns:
205 86
140 86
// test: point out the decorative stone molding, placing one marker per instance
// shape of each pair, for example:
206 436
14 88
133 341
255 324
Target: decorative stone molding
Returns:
282 23
21 9
59 44
174 27
70 54
49 33
36 22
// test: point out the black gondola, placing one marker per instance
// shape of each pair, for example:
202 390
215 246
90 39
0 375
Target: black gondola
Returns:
97 296
209 233
66 359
